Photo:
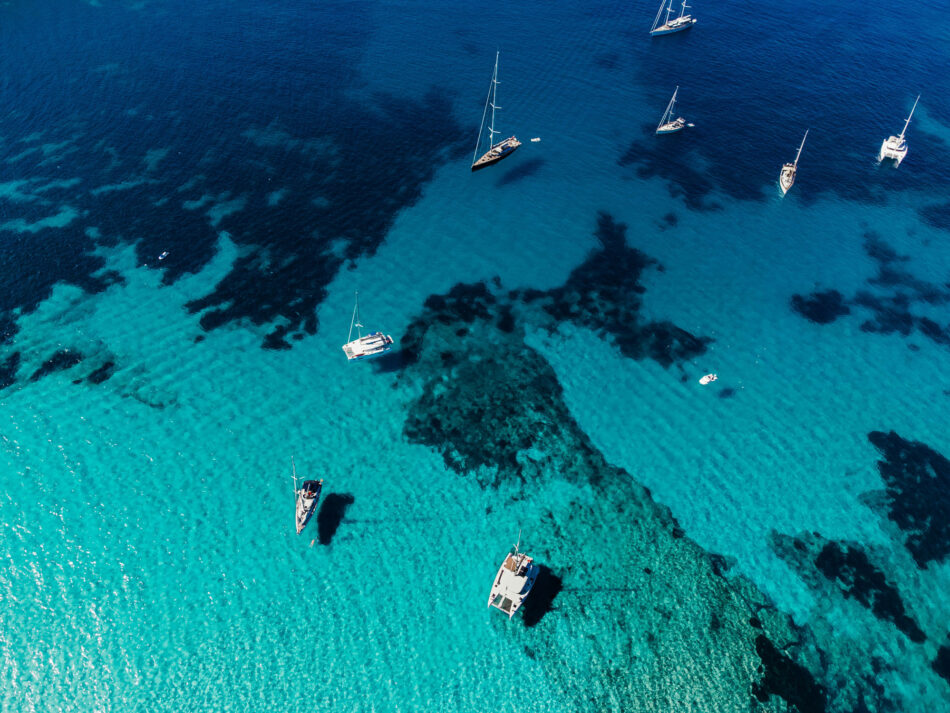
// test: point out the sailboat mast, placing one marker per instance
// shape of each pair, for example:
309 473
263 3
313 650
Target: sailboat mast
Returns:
801 147
669 9
683 11
355 320
907 123
494 98
293 468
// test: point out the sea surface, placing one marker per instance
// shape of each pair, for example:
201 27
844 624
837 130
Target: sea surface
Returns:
190 195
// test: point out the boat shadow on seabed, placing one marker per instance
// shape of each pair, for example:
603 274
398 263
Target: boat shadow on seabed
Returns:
541 600
331 514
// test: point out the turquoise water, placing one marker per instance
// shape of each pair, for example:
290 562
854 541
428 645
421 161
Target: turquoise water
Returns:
285 157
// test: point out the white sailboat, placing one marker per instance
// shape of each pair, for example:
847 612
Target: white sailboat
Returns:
895 147
306 497
669 125
678 24
364 347
514 581
496 151
786 178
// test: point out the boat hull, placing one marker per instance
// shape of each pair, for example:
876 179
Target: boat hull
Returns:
672 127
496 153
668 30
889 152
368 347
786 178
307 506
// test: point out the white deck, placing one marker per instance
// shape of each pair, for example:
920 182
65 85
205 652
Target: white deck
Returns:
369 346
513 583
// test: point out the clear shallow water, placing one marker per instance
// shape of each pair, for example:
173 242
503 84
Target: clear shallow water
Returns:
149 561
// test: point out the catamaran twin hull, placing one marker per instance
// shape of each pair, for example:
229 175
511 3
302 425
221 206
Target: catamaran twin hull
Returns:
368 347
893 148
503 149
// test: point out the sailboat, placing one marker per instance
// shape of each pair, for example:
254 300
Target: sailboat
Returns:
683 22
895 147
787 178
502 149
364 347
514 581
669 125
306 497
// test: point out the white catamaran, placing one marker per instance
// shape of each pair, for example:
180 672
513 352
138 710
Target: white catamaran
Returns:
669 125
514 581
787 177
895 147
678 24
502 149
364 347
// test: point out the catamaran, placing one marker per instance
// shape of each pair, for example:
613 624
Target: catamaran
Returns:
502 149
787 177
669 125
364 347
514 581
678 24
895 147
306 496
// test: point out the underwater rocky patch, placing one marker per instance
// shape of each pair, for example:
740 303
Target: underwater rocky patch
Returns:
889 302
60 361
292 177
821 307
847 567
917 490
604 294
494 409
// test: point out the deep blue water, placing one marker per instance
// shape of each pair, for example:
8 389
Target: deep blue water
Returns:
190 195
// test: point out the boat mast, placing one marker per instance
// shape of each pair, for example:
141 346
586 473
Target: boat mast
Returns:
355 320
907 123
683 11
494 98
294 470
669 9
801 147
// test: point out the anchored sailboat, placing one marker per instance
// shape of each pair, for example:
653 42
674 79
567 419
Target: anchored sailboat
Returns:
678 24
502 149
364 347
306 496
787 178
514 581
669 125
895 147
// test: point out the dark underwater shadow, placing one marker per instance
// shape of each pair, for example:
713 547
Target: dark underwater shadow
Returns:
521 171
541 601
391 362
331 515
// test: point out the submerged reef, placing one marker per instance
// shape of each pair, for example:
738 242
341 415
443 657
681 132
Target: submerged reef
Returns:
604 294
917 494
821 307
493 407
889 302
847 567
60 361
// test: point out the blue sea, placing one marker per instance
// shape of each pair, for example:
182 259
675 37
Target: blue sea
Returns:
190 195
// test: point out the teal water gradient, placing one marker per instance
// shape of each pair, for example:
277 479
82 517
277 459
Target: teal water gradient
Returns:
149 560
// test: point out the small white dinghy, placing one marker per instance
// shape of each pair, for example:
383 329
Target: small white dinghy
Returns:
708 379
536 139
